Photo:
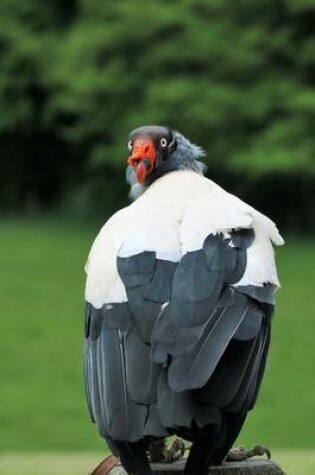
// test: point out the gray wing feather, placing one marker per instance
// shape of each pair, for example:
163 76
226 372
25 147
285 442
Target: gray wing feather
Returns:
110 404
204 313
183 328
194 370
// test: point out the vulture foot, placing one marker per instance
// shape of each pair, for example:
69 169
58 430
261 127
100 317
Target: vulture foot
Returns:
241 453
160 453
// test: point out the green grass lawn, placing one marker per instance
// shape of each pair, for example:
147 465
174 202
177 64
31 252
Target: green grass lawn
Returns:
42 402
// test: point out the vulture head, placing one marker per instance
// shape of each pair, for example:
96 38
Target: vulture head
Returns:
156 150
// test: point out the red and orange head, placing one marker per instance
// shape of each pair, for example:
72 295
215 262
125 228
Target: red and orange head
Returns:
149 146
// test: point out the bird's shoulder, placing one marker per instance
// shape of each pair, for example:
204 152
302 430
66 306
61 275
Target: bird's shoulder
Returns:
176 214
201 207
174 217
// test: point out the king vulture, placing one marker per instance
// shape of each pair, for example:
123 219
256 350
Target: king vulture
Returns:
179 298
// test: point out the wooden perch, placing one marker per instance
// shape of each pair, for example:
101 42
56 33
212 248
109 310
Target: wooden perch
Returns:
248 467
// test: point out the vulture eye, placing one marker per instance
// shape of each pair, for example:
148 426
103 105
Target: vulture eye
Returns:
163 142
129 145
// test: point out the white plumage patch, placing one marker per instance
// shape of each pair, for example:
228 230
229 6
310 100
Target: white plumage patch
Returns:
173 217
151 228
103 283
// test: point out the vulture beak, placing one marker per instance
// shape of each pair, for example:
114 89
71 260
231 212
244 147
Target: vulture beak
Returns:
142 158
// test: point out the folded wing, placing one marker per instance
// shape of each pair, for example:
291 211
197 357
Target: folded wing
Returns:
180 296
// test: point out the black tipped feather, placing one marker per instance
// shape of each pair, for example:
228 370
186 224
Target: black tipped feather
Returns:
262 294
193 370
225 382
243 238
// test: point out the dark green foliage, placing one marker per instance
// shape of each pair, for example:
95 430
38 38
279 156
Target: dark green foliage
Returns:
236 77
34 161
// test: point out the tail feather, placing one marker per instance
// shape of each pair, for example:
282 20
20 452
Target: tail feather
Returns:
133 455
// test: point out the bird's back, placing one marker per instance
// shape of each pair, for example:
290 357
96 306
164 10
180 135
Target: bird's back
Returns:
173 217
179 300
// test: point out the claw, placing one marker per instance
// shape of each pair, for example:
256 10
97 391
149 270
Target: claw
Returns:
160 453
177 449
241 453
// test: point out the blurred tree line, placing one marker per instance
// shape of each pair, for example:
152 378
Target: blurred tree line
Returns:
237 77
